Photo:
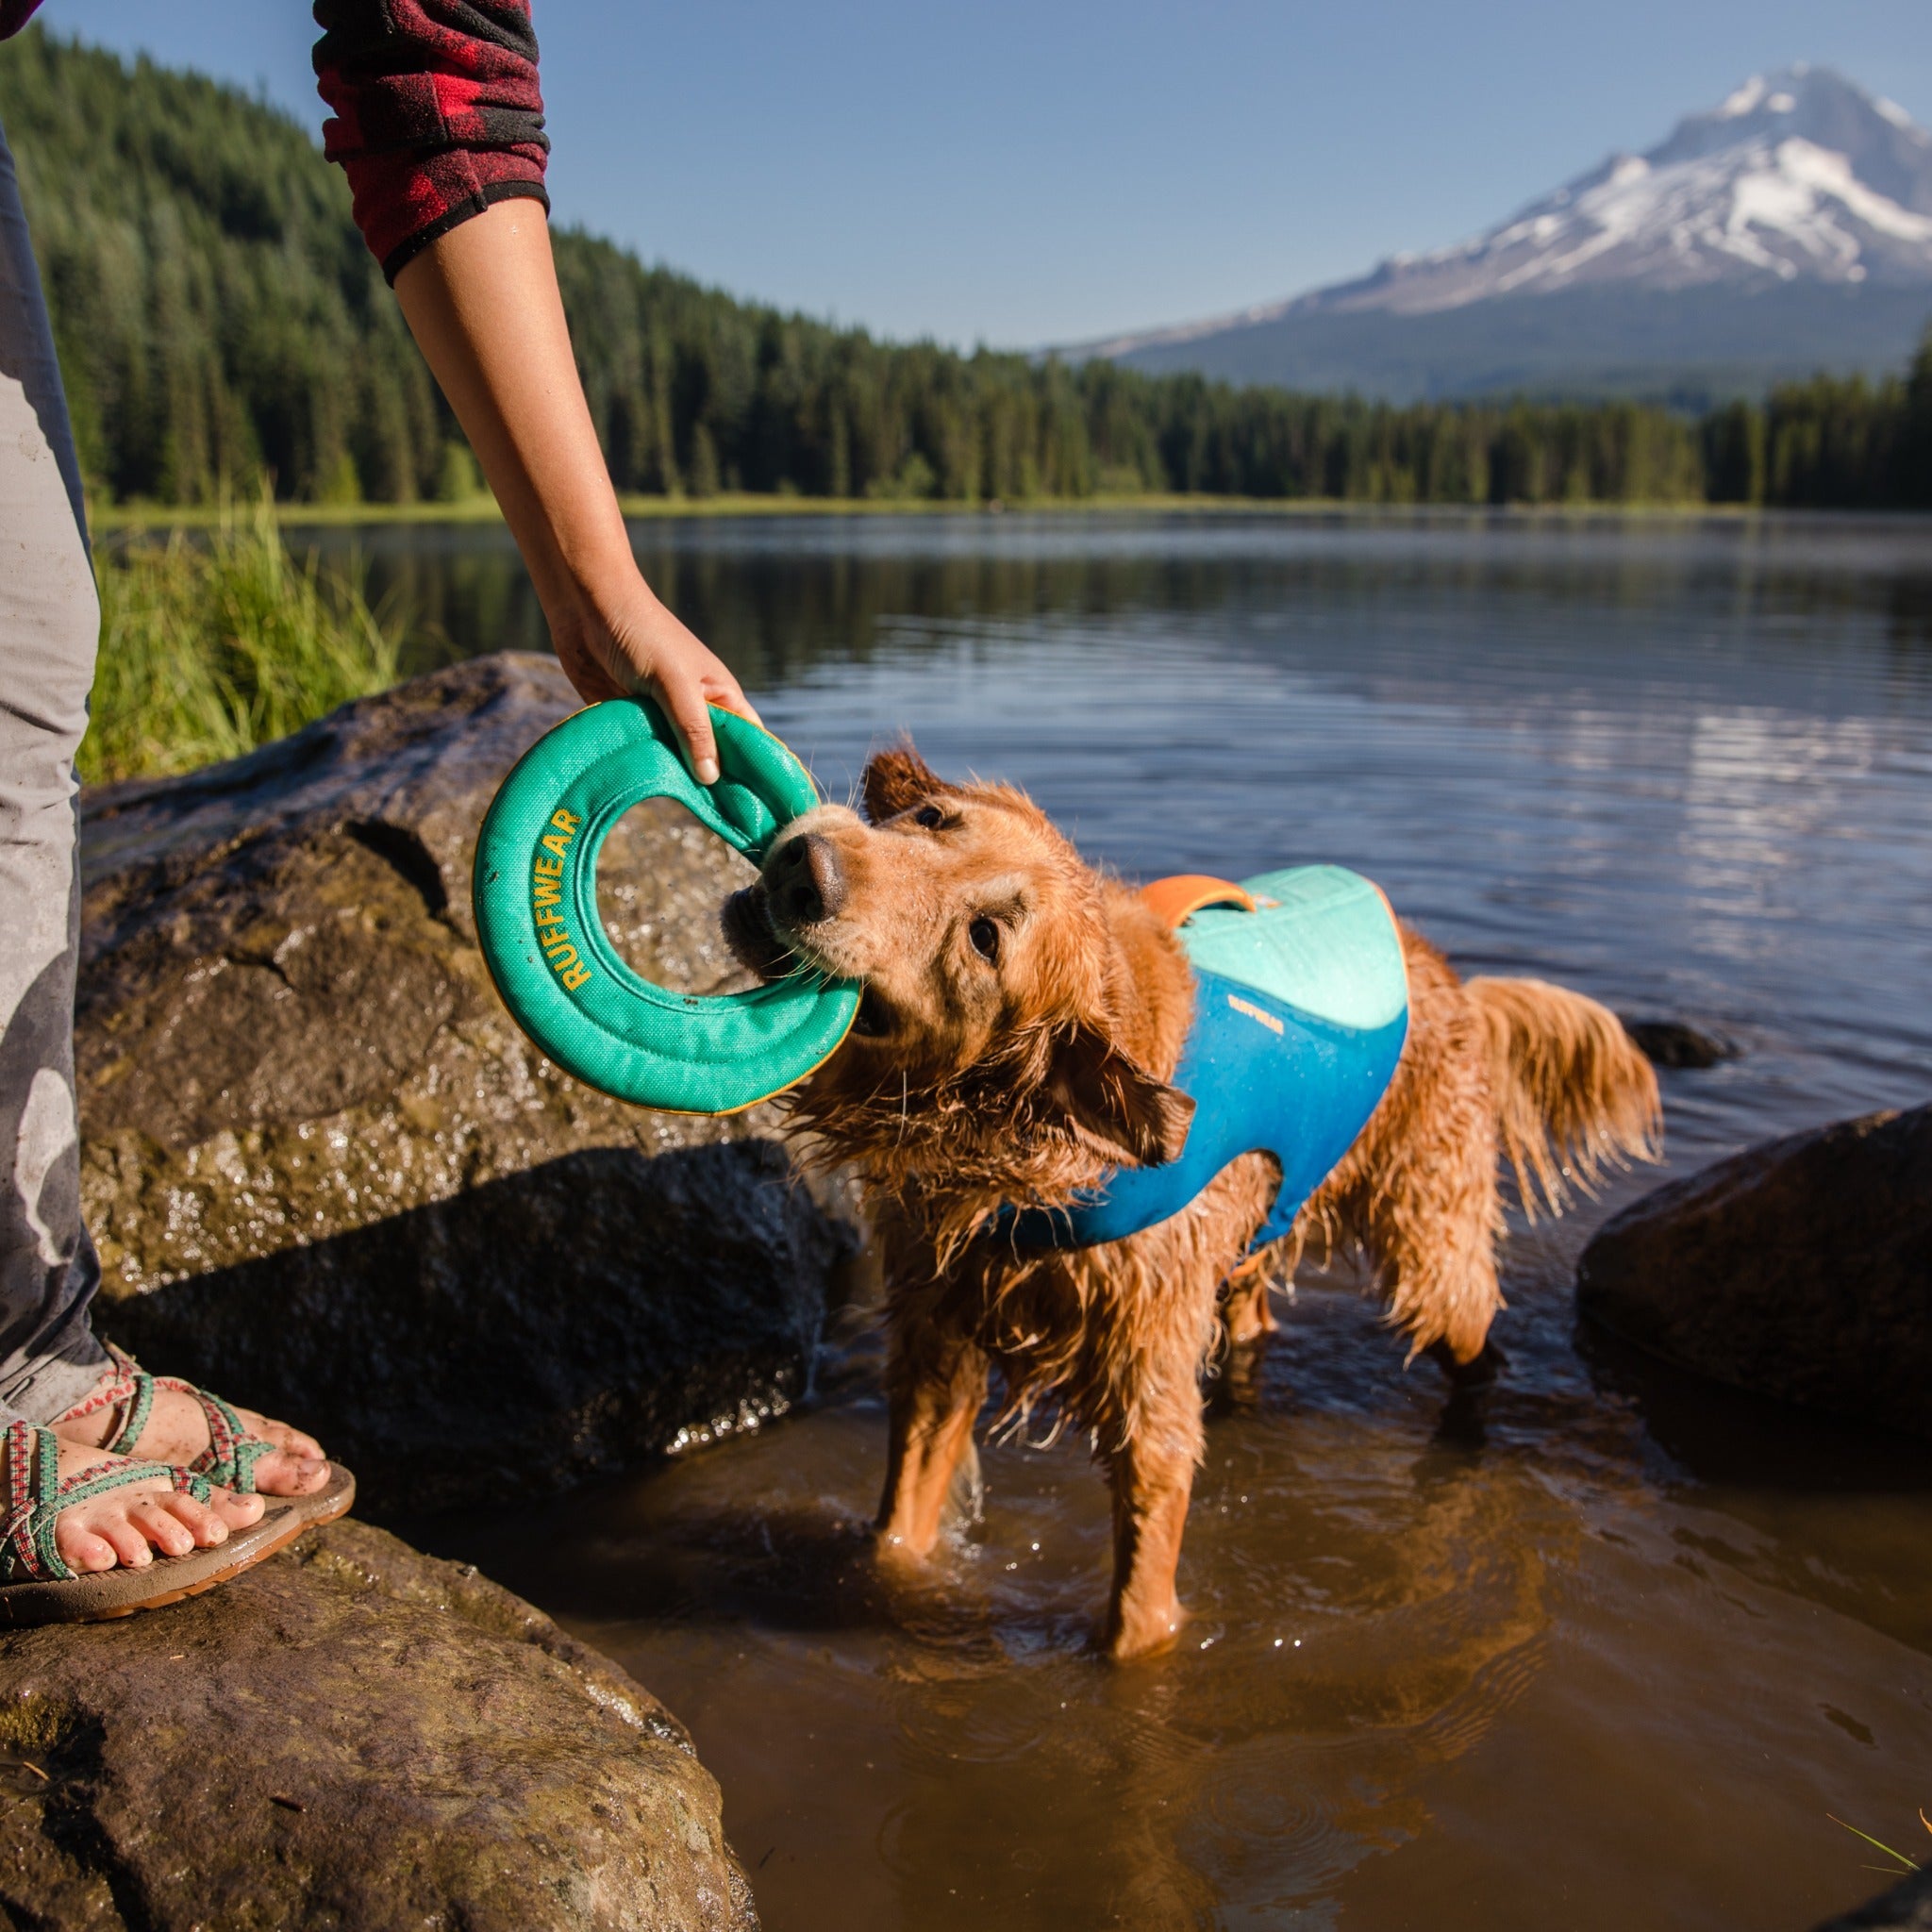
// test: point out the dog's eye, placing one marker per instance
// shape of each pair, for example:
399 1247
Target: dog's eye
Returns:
930 816
985 936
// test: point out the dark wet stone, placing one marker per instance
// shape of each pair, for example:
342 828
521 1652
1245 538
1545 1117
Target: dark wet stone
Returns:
1907 1908
1801 1269
1677 1044
351 1734
331 1178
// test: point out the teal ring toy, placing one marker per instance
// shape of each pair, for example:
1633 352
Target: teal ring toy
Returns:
535 892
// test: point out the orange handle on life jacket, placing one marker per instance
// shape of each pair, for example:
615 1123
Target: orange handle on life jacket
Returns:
1175 900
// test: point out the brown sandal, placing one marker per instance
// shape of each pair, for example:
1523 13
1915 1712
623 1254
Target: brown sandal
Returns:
37 1586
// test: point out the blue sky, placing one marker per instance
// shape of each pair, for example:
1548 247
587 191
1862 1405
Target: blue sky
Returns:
1023 173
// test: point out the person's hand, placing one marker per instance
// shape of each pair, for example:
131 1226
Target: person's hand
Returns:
626 641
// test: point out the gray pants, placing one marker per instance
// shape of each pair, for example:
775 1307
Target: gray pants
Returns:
49 623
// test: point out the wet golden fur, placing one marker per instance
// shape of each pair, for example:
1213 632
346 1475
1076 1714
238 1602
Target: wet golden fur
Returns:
1021 1018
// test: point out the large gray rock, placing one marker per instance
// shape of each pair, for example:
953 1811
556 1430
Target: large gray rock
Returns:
351 1734
1907 1908
1801 1269
331 1178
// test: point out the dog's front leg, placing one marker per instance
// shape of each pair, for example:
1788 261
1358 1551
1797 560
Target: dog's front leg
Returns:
935 1400
1152 1483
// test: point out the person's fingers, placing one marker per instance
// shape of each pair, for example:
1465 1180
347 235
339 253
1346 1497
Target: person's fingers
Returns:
683 696
726 691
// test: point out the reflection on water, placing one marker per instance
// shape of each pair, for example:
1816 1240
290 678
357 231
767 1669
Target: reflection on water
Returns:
1606 1652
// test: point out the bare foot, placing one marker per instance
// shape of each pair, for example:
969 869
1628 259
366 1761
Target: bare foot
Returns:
129 1524
177 1431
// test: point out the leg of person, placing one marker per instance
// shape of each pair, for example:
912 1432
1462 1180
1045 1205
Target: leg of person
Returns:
49 1358
49 620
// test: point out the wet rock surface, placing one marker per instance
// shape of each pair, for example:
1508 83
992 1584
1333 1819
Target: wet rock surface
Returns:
1678 1044
351 1734
329 1176
1799 1269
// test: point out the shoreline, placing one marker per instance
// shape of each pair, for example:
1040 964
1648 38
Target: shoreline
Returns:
139 517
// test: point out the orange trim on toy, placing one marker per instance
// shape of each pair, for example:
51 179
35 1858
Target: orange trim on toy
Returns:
1174 900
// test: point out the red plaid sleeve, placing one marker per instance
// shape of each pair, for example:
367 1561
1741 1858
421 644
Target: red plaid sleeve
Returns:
436 114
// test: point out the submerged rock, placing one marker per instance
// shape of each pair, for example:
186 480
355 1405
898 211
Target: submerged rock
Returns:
351 1734
1677 1044
1801 1269
1907 1908
330 1177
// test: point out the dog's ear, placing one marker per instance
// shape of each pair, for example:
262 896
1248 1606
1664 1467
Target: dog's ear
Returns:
1125 1113
896 780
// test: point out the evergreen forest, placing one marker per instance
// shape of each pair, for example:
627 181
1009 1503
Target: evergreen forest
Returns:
219 319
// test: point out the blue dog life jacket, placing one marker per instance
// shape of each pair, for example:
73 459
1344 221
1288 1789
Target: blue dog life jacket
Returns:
1301 1009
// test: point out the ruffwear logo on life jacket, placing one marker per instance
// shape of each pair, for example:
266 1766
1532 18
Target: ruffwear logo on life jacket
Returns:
546 899
1255 1013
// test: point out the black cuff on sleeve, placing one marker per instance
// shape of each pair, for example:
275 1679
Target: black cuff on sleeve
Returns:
399 258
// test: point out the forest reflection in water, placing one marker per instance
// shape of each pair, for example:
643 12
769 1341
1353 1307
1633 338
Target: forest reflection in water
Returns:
1605 1653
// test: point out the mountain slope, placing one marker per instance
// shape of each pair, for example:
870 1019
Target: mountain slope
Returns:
1788 229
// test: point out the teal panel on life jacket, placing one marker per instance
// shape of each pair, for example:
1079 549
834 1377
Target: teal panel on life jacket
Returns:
1321 939
1301 1009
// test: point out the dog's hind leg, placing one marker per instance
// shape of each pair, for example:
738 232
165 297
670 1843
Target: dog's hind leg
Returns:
1245 1313
935 1402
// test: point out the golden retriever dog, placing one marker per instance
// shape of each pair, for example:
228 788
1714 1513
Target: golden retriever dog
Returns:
1021 1016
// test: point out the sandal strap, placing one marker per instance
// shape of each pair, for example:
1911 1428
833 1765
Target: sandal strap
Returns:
36 1495
232 1452
106 1395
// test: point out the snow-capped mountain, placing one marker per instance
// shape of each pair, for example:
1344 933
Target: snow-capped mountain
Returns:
1800 180
1797 174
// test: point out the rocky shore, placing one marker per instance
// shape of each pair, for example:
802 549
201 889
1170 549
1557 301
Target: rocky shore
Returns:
330 1177
350 1735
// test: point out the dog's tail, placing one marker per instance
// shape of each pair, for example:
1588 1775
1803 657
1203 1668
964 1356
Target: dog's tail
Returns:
1573 1093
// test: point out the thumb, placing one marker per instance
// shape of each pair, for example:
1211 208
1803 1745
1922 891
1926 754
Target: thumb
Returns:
683 697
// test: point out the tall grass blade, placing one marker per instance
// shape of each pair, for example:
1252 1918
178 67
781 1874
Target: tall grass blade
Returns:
1906 1863
211 649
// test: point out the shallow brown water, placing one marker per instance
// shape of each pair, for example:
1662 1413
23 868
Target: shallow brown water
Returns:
1603 1652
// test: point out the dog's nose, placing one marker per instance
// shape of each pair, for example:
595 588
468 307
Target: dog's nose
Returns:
805 880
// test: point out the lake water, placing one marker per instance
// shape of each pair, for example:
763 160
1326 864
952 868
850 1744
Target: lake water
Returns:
1607 1657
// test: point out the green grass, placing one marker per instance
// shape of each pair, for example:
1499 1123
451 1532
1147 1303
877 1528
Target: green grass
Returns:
1902 1865
211 648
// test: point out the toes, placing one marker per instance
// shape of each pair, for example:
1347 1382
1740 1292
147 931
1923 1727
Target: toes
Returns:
163 1528
210 1523
236 1511
81 1550
282 1475
299 1445
127 1544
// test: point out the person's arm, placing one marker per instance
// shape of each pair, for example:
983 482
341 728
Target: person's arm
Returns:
482 302
439 125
